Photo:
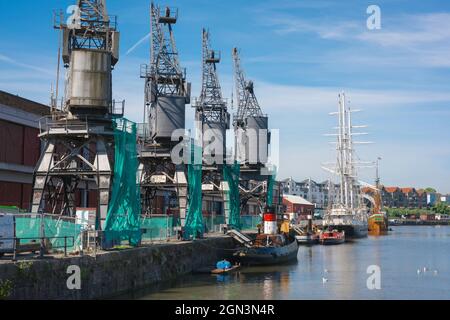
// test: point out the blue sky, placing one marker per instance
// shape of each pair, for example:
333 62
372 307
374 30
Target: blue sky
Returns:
300 54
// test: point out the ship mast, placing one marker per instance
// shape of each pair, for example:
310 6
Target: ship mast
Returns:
345 168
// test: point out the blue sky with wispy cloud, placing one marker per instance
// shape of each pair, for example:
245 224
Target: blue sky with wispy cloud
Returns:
300 54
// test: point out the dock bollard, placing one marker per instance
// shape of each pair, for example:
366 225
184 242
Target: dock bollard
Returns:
14 249
42 248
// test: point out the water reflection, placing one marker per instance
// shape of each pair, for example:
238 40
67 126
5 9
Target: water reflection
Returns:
399 255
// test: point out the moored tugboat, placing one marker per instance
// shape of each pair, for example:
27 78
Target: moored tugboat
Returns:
274 246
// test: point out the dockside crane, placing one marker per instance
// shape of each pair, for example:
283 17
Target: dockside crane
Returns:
211 109
163 183
252 139
212 120
76 167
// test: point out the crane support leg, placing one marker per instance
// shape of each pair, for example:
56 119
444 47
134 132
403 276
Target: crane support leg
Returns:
41 176
226 201
182 191
104 180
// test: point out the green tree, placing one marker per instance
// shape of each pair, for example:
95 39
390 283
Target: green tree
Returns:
442 208
430 190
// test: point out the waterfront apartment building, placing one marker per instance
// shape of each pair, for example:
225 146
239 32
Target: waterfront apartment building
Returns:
396 197
320 194
325 193
20 148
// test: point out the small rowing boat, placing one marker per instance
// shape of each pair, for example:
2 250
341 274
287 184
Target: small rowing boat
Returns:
227 270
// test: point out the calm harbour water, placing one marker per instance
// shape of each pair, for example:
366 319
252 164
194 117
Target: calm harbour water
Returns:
399 255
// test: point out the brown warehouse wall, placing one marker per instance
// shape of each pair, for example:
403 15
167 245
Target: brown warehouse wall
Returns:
19 145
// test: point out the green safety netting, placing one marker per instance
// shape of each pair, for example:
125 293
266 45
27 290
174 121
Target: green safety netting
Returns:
194 219
270 186
60 231
123 218
231 175
9 209
157 227
212 222
250 222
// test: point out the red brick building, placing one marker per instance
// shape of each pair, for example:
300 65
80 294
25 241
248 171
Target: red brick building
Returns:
297 207
20 148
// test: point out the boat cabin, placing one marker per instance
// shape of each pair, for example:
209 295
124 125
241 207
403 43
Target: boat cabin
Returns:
273 240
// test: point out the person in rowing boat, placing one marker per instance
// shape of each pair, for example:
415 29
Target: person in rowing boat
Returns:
224 264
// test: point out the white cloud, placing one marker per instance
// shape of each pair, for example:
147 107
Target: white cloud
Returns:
419 40
281 98
288 24
411 31
138 44
14 62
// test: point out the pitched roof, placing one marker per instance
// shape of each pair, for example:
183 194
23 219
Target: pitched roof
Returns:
421 191
407 190
391 189
297 200
306 181
326 182
15 101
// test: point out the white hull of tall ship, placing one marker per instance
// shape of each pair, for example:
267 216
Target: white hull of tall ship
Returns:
352 222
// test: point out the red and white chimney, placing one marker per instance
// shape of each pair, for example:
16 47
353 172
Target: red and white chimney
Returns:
270 223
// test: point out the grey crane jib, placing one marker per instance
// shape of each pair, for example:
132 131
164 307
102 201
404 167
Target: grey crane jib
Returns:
166 89
211 107
250 124
165 76
248 105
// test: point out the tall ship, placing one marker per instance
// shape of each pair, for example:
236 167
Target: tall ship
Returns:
347 211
